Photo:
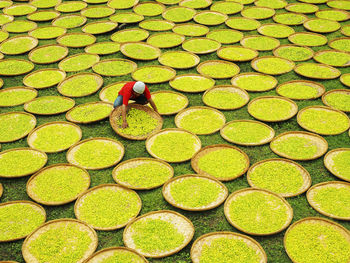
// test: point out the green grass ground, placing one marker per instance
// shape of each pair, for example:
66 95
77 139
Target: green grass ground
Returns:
204 222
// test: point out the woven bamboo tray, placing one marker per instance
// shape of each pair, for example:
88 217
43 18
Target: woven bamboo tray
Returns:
238 60
289 6
201 39
107 252
304 173
179 7
29 16
65 16
194 76
275 51
259 7
71 150
102 95
76 55
337 10
324 108
132 163
175 93
245 191
275 18
76 34
208 62
34 91
113 18
292 113
25 148
334 70
71 119
320 88
85 30
208 3
234 81
342 80
328 162
151 138
132 63
149 2
185 112
182 37
191 24
63 74
39 207
30 55
146 34
116 113
34 43
256 60
220 199
311 192
1 190
173 71
212 148
308 27
290 38
196 59
228 88
324 97
244 40
32 135
261 29
27 104
347 64
341 230
267 140
18 60
142 24
110 4
320 142
81 200
32 195
196 249
185 227
125 53
224 16
29 258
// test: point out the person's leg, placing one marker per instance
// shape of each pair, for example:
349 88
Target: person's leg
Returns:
141 100
118 101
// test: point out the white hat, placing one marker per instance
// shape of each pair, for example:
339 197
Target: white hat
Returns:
139 87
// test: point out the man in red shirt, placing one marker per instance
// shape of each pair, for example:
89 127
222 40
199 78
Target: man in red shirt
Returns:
134 90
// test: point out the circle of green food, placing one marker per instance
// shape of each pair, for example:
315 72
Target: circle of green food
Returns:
97 12
96 153
110 92
5 3
47 32
341 44
44 3
276 30
71 6
272 65
157 25
272 109
99 27
19 26
5 19
225 36
122 4
76 40
209 193
196 4
19 9
254 82
237 53
225 97
179 14
293 52
103 48
44 78
126 17
218 69
140 51
346 30
114 67
4 35
228 8
274 4
89 112
225 163
49 105
280 176
260 43
14 67
153 74
337 162
192 83
66 240
54 137
333 58
257 12
165 40
244 132
16 96
291 19
244 209
331 14
43 16
201 45
338 99
69 21
317 71
242 23
210 18
300 90
48 54
130 35
308 39
20 162
58 184
191 29
179 59
323 120
80 85
303 8
149 9
20 218
345 79
78 62
339 4
169 102
15 125
321 25
303 243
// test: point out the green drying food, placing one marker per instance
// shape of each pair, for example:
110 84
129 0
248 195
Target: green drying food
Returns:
14 67
258 12
89 112
272 65
299 90
48 54
49 105
76 40
225 98
210 18
149 9
308 39
341 44
201 45
153 74
225 36
339 163
169 102
157 25
218 69
322 25
179 59
260 43
289 19
126 17
119 254
69 21
192 83
179 14
78 62
44 78
130 35
15 125
114 67
140 51
110 93
339 100
165 40
18 45
97 12
80 85
276 30
242 23
191 29
333 58
294 53
16 96
254 82
103 48
237 53
48 32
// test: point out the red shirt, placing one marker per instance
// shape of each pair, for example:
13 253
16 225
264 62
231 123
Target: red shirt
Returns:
126 92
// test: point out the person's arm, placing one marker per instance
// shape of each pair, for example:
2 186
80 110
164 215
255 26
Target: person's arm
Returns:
125 123
153 105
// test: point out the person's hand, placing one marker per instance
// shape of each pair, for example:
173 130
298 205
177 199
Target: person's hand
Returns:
125 125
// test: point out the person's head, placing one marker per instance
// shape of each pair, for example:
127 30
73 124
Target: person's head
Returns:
139 88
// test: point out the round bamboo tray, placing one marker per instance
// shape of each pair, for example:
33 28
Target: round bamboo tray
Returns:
32 195
308 27
245 191
30 55
116 113
132 64
342 80
196 249
275 51
334 70
179 7
75 34
331 51
85 30
238 60
324 97
107 252
212 148
328 162
34 91
208 3
256 60
146 35
303 172
182 37
182 223
1 190
102 94
289 8
110 4
292 113
160 21
257 8
25 148
29 258
114 19
34 43
258 24
134 9
224 16
321 108
173 71
201 39
38 207
234 81
71 119
228 88
125 53
65 16
27 104
290 38
132 163
185 112
267 140
63 74
57 14
318 86
32 136
341 230
205 28
19 73
175 93
151 138
320 142
261 29
275 18
72 149
166 191
171 83
81 200
208 62
311 192
77 55
196 59
244 40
